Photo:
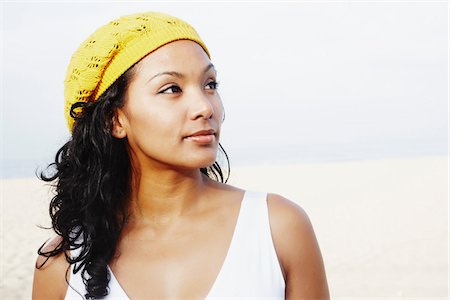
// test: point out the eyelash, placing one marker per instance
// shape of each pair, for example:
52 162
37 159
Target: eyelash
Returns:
213 85
170 88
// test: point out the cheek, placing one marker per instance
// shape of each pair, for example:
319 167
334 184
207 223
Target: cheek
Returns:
148 127
220 110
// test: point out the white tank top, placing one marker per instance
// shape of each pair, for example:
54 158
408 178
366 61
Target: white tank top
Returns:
251 269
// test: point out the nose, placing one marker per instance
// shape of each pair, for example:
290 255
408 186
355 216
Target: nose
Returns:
202 107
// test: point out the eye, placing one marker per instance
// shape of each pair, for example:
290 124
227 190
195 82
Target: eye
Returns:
170 90
212 85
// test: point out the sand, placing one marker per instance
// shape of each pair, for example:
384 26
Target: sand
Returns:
382 225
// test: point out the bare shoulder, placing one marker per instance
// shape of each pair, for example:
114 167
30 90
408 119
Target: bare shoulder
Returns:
49 280
290 226
297 249
42 262
285 214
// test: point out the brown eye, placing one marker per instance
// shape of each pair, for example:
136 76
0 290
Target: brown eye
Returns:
173 89
213 85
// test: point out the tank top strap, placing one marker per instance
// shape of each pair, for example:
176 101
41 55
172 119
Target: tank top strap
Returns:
251 268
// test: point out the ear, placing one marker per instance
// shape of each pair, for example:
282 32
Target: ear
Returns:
118 130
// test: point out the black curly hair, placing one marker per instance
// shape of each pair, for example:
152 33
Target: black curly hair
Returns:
91 177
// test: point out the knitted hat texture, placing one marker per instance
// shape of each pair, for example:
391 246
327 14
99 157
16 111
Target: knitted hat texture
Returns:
115 47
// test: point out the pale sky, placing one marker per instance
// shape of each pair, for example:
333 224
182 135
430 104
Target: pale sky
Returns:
311 81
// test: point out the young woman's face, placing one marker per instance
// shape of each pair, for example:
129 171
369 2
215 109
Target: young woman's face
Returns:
172 112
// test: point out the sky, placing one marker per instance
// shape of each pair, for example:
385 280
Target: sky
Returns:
300 81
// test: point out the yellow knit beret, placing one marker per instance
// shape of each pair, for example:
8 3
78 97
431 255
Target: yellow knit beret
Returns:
111 50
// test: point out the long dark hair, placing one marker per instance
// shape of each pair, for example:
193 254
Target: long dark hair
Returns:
91 177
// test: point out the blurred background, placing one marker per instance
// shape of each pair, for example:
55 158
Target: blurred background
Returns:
339 106
300 81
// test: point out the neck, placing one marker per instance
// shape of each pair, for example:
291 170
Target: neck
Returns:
159 197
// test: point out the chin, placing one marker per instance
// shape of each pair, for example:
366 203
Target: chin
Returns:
201 162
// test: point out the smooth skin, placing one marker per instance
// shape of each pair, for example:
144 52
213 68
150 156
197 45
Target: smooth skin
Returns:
181 225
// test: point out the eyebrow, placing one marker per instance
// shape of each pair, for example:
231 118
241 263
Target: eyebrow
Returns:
179 75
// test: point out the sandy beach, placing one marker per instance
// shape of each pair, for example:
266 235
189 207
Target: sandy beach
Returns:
382 225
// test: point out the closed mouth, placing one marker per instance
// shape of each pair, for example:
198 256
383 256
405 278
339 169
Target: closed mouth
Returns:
202 136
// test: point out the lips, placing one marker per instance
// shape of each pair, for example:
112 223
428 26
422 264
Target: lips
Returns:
202 136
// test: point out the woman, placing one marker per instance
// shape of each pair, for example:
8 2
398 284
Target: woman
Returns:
141 210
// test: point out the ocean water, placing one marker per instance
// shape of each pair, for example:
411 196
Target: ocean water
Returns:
278 154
